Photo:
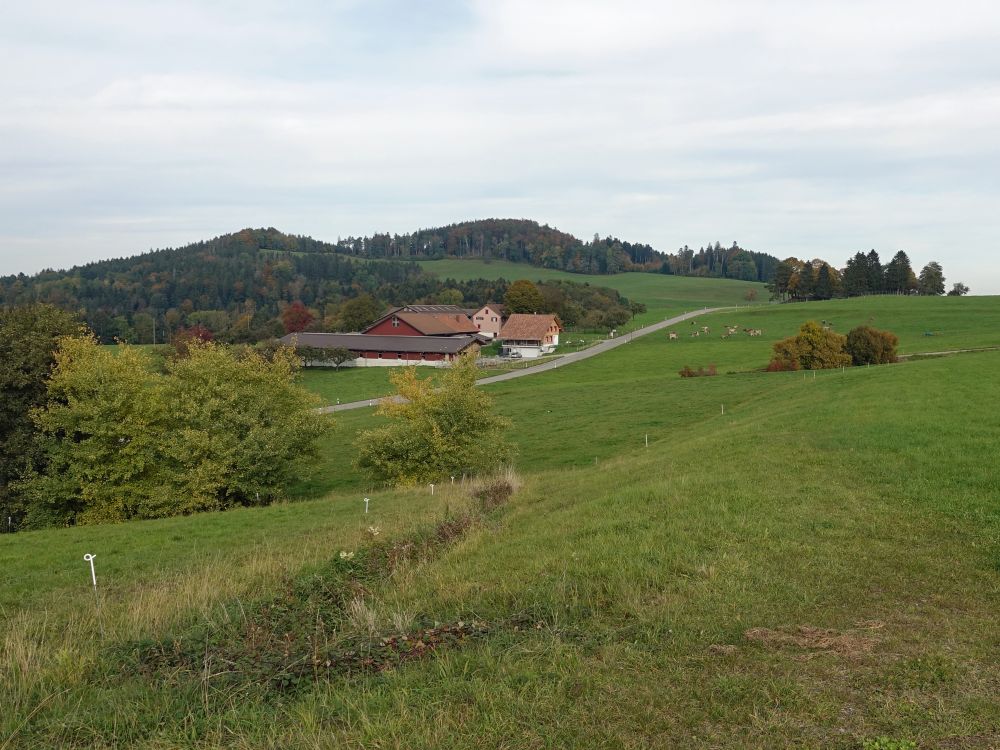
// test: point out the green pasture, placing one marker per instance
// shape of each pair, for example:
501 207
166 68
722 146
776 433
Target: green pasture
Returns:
816 566
663 296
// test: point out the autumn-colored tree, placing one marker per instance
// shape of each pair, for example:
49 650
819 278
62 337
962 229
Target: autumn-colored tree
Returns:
813 348
185 336
296 317
870 346
523 297
437 428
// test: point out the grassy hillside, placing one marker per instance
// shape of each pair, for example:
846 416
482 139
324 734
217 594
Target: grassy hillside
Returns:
818 566
663 295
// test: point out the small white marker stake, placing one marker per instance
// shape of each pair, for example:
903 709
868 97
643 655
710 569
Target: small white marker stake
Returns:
432 489
647 440
93 576
723 408
366 505
97 599
453 479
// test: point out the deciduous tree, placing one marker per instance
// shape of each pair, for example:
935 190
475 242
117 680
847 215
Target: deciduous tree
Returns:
123 441
870 346
814 348
932 279
296 317
29 336
436 429
523 297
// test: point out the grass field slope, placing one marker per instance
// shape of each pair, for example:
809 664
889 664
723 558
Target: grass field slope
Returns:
816 567
663 295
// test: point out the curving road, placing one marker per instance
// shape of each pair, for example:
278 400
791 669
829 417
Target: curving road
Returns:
563 361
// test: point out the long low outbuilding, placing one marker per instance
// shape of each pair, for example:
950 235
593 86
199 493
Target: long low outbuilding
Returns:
381 351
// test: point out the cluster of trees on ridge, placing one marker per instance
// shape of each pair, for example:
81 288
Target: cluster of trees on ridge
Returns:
255 285
864 274
525 241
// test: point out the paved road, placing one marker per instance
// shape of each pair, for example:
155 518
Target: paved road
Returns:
563 361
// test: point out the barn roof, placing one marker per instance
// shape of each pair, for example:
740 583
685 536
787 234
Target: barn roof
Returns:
362 342
524 327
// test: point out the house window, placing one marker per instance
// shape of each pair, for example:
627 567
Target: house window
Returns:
395 322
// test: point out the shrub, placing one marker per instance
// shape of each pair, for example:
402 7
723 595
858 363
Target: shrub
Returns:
701 372
870 346
814 348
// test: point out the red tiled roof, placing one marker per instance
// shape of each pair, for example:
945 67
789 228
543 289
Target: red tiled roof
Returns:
523 327
438 324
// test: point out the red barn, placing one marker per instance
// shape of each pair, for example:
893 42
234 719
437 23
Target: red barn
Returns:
424 320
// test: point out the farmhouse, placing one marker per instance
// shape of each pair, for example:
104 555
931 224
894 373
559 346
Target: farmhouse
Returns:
530 335
423 320
488 319
383 351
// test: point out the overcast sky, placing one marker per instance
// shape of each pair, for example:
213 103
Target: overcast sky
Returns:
813 129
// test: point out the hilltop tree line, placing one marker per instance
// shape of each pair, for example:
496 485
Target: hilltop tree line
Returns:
523 241
258 284
864 274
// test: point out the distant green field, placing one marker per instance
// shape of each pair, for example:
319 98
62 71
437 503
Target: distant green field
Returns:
815 567
663 295
636 388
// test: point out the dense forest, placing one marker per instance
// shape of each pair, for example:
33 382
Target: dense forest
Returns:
259 283
524 241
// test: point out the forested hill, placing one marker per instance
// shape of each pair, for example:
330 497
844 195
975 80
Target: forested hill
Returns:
524 241
240 281
258 283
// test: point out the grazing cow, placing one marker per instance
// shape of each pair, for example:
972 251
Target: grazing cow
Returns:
724 336
672 336
704 329
694 333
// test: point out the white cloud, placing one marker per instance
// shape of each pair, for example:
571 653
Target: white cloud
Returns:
797 128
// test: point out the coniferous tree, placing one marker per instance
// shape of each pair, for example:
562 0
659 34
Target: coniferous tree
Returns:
857 279
899 278
876 277
824 283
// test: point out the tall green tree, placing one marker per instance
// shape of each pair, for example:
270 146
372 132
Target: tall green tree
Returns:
857 279
29 336
805 281
899 277
958 289
824 283
876 276
359 313
932 279
523 297
437 429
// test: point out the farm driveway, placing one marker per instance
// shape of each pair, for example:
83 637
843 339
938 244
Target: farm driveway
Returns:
563 361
